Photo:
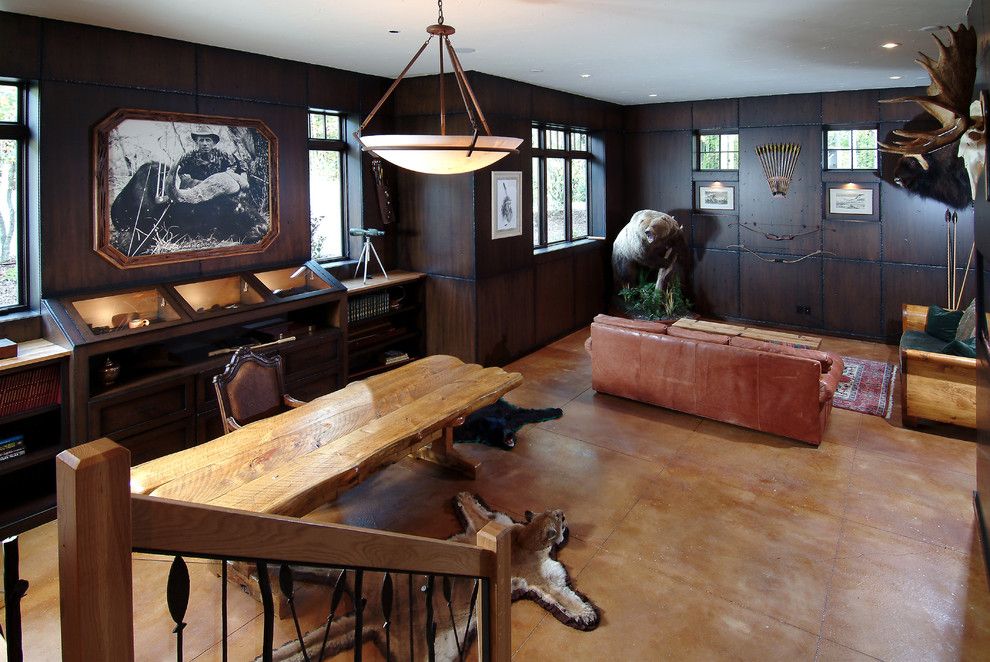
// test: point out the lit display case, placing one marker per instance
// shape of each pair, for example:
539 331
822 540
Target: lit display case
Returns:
219 294
122 313
293 281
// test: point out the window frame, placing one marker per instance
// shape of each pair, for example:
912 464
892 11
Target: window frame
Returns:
852 149
21 132
698 151
341 146
540 153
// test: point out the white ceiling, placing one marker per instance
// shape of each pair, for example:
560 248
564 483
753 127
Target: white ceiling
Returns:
678 50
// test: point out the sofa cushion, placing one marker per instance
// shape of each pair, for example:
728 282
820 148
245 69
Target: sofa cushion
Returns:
825 360
921 341
967 323
966 348
701 336
635 325
942 323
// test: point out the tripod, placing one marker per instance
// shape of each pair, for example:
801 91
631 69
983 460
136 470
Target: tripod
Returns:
367 250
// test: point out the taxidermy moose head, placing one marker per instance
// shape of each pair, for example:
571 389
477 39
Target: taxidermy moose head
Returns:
651 239
930 163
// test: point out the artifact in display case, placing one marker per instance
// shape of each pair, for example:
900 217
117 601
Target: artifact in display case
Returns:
126 311
291 281
229 293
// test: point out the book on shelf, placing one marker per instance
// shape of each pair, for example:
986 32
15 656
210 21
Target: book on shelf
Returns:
12 447
395 356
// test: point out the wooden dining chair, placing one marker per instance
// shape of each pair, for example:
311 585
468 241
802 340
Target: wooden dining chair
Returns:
250 388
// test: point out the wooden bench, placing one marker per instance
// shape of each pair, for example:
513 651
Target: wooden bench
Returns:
295 462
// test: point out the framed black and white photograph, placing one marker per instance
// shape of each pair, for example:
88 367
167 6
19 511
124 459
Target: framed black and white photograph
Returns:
174 187
506 204
852 200
715 197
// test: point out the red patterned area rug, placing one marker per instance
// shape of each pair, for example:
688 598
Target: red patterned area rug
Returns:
866 386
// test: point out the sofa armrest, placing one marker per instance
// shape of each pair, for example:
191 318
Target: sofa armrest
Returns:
913 318
948 362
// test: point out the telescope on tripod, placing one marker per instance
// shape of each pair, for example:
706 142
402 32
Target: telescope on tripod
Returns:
367 250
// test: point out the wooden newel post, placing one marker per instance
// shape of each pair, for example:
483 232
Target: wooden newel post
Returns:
495 634
94 552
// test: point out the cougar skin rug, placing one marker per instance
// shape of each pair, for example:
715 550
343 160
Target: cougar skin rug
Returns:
536 576
651 240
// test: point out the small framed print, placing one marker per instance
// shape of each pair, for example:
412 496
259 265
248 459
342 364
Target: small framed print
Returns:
715 196
857 200
506 204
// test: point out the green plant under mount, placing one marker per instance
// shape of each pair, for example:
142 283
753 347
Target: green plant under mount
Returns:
646 302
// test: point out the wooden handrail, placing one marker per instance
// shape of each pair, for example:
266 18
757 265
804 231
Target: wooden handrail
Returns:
100 523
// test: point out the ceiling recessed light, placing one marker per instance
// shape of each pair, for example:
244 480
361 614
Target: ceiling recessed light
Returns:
895 78
585 75
651 95
393 32
889 45
536 71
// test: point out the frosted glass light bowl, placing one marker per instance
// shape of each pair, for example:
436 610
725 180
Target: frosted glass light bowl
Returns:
440 155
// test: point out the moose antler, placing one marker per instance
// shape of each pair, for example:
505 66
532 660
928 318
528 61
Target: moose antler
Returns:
948 98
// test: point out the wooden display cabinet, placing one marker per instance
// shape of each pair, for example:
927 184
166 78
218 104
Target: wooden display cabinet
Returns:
165 342
385 318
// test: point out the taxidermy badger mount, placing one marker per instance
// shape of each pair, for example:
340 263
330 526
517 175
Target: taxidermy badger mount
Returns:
651 240
929 163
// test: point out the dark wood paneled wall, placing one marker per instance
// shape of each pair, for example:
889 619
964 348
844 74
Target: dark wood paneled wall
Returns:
507 299
870 268
84 73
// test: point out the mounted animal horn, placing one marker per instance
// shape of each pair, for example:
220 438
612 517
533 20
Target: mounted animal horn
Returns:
948 101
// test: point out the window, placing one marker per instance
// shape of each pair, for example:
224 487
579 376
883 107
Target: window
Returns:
718 151
327 199
851 149
560 185
14 135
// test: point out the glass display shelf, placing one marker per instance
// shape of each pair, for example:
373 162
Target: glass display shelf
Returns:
293 281
219 294
117 313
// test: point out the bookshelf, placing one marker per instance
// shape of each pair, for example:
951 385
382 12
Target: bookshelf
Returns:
31 412
386 322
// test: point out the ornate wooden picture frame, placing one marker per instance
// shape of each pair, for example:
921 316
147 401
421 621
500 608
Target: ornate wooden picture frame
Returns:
175 187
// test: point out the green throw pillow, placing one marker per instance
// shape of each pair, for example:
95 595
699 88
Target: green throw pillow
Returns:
967 323
965 348
942 323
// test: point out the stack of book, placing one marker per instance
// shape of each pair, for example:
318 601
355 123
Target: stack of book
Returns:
395 356
12 447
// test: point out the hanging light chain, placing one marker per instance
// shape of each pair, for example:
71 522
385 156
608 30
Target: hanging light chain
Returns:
440 9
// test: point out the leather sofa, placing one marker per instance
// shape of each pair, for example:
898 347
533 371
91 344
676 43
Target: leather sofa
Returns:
773 388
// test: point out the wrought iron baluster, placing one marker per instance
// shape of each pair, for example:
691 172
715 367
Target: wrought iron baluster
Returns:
177 597
287 585
14 588
268 605
412 635
358 614
467 627
387 613
447 595
338 593
223 609
431 626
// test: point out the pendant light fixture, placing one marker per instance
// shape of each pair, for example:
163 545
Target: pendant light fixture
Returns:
440 154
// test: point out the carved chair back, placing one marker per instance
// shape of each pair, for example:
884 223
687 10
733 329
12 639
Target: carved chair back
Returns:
250 388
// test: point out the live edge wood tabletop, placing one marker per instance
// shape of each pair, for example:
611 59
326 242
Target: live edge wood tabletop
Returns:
292 463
